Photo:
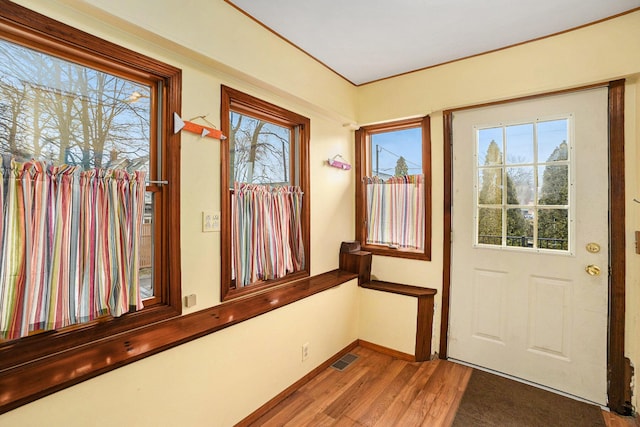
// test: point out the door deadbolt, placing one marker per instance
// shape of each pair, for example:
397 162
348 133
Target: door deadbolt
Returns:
593 248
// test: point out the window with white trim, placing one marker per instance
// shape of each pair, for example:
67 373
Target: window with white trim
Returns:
523 181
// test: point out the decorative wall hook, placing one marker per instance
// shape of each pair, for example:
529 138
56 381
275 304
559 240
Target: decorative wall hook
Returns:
339 162
179 124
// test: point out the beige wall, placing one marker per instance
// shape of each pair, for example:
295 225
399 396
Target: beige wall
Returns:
197 383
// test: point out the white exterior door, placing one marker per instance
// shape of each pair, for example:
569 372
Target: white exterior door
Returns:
529 232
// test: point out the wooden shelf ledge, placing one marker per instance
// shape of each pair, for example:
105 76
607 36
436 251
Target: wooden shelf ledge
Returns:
424 319
397 288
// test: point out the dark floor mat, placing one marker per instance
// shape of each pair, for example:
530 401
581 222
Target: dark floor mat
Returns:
492 400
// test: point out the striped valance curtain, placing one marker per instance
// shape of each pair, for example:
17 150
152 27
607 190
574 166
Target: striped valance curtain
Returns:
267 232
395 211
69 245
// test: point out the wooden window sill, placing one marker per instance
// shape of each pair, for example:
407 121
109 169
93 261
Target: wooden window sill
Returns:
21 384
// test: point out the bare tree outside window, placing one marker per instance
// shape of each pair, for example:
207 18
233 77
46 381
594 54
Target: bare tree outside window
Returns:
62 112
259 151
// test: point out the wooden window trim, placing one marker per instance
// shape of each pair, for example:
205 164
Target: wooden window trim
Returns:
232 99
362 137
21 356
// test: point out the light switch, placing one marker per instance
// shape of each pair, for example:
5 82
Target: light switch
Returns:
210 221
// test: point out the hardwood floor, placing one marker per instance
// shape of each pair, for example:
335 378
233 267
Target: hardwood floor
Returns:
380 390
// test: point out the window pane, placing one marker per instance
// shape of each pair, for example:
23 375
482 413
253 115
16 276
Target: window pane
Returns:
268 159
62 112
553 229
396 153
490 147
490 185
554 184
552 141
394 198
519 228
520 143
259 150
520 188
533 185
490 226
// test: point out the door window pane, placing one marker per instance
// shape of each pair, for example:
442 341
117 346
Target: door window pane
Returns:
490 226
554 184
553 229
526 201
551 136
490 186
519 228
520 144
490 144
520 188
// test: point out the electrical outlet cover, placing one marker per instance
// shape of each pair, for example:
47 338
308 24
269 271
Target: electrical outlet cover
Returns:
210 221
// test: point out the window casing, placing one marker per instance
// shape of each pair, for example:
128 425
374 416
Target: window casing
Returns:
287 164
22 27
406 161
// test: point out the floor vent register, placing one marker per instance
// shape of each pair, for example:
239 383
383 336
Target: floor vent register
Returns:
344 362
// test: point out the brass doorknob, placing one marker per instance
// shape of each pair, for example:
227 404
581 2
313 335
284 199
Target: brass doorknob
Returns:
592 270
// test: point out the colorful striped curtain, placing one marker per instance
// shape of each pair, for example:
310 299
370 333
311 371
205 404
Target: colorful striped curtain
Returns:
69 245
395 211
267 240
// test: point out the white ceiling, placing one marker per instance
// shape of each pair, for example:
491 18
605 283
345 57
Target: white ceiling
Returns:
367 40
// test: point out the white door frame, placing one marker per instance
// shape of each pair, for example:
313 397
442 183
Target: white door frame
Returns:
619 386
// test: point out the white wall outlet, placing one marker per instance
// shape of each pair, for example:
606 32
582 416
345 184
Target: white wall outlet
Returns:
210 221
305 351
